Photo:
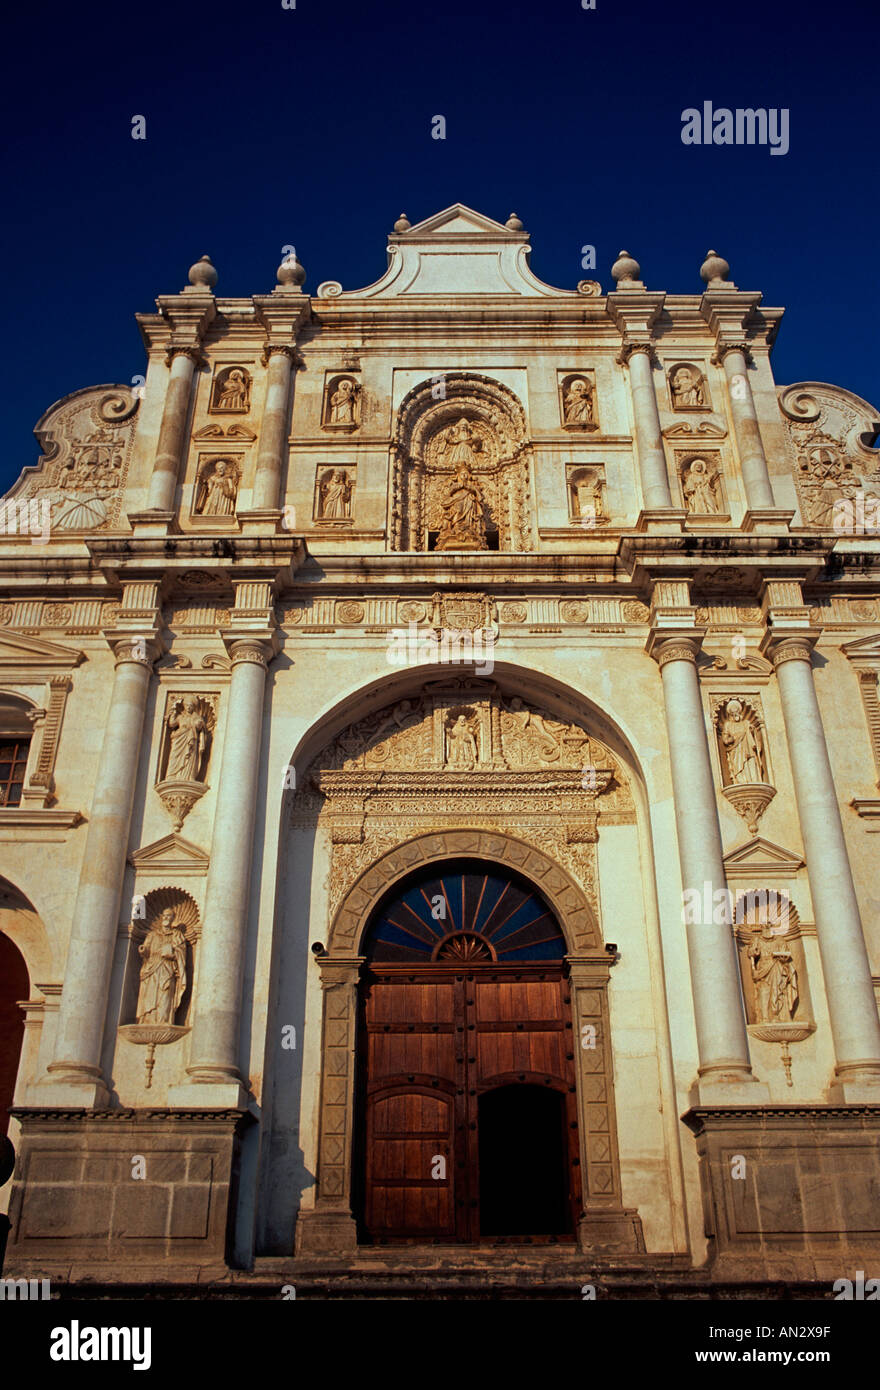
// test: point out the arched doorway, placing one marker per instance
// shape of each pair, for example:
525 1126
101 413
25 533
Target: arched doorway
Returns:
466 1107
14 987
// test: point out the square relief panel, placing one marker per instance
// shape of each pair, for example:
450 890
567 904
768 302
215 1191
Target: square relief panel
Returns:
216 488
334 494
578 409
231 390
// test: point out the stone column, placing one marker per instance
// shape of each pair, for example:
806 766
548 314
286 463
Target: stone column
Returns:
214 1053
649 440
166 467
76 1070
273 429
852 1008
753 461
722 1040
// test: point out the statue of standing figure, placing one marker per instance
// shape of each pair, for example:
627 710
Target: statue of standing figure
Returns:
774 976
163 972
461 746
741 744
188 743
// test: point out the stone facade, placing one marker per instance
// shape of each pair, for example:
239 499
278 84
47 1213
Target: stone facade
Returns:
456 567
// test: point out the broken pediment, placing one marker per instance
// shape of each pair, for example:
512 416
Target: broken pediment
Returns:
760 858
864 649
455 252
170 855
694 429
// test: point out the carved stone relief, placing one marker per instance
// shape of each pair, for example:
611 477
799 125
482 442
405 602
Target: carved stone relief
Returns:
342 403
160 974
460 474
216 488
585 485
836 472
334 495
231 391
688 389
577 400
741 738
773 968
86 442
700 481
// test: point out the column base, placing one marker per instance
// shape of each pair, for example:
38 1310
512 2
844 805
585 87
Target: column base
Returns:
661 520
856 1084
262 521
611 1232
70 1085
767 519
732 1086
152 522
208 1095
325 1233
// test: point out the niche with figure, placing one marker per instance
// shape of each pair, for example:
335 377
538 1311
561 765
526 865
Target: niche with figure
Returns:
231 391
577 401
342 402
157 990
334 495
741 741
687 387
586 494
773 969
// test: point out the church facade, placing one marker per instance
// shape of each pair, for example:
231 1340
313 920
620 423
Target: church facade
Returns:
440 751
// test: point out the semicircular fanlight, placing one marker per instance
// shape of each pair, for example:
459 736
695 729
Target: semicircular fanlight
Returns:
467 915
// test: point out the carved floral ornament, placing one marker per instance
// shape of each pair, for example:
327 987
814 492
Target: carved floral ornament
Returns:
460 478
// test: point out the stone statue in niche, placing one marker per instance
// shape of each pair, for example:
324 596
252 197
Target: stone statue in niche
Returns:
343 402
189 740
577 402
687 389
217 488
463 527
461 745
334 495
740 739
699 484
163 970
774 976
232 391
586 495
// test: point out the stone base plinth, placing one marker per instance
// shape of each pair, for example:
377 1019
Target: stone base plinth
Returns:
789 1191
123 1189
325 1233
611 1232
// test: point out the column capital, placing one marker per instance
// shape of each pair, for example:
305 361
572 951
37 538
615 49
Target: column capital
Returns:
780 646
631 346
282 350
665 646
724 348
254 651
191 350
141 649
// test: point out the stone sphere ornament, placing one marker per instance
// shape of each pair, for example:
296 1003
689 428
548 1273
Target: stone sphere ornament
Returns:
203 275
715 269
625 268
291 273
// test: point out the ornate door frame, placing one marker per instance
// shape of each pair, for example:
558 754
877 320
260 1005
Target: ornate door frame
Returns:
329 1228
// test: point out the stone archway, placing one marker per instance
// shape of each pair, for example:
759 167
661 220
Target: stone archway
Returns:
390 797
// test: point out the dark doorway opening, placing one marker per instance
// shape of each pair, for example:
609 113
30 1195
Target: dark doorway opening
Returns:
523 1162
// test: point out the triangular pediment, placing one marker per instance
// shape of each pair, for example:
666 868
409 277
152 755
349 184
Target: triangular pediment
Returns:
760 857
864 649
454 252
170 855
21 649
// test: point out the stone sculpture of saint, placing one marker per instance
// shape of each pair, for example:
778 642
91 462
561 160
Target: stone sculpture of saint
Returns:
739 739
219 490
188 740
578 403
461 746
163 972
687 389
461 444
342 403
463 527
335 494
774 976
234 391
699 488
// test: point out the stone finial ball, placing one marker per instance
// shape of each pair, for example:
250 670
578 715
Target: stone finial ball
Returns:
714 267
291 274
403 223
513 223
203 275
625 268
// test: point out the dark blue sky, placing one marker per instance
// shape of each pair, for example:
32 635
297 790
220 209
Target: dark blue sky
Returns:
311 126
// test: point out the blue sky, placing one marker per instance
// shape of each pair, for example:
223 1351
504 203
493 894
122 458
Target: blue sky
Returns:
312 126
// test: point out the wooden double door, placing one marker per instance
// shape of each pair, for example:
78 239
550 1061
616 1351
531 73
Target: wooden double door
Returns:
467 1109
